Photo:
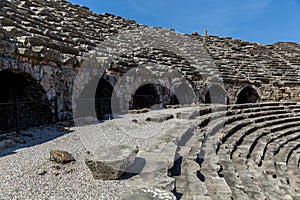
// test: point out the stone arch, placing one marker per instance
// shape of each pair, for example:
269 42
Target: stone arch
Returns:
95 98
216 94
42 73
247 95
145 96
23 101
143 37
135 78
184 93
103 97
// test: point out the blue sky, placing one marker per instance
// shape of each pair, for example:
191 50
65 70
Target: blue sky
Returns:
262 21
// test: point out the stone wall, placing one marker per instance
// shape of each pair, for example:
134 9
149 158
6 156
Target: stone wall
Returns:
266 68
49 39
64 46
149 55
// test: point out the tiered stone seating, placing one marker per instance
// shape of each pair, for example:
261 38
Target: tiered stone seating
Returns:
247 151
58 28
246 61
288 50
287 177
246 147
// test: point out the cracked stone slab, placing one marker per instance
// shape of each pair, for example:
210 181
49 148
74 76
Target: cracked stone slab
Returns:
110 162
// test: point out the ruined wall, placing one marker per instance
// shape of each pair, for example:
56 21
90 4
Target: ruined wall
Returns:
48 40
273 70
149 55
65 46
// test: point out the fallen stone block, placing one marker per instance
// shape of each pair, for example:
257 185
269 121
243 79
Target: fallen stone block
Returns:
160 155
173 106
110 162
5 144
59 156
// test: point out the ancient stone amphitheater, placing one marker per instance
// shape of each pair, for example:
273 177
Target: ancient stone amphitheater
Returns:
238 139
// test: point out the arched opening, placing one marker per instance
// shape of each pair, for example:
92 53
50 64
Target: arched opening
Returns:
145 97
103 98
173 99
95 99
184 94
216 94
247 95
23 101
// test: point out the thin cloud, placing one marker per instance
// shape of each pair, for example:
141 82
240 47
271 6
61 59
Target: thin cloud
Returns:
236 18
137 7
255 7
142 8
150 10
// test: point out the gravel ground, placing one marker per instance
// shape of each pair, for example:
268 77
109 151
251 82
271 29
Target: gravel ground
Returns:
27 173
20 168
132 129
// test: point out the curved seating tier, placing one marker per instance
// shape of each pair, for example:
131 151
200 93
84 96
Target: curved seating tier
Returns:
247 151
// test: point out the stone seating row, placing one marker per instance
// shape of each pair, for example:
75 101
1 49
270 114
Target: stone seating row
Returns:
228 152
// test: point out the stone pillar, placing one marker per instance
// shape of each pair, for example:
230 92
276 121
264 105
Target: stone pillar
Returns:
205 33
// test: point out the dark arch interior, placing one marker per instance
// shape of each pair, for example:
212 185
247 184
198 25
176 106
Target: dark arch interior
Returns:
23 101
95 99
216 94
173 100
103 98
145 97
247 95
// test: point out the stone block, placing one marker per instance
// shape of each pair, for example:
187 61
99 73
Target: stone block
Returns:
59 156
158 179
110 162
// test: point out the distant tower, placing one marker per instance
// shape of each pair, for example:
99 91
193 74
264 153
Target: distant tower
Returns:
205 33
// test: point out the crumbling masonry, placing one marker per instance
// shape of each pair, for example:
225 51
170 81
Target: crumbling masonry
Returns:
46 43
57 59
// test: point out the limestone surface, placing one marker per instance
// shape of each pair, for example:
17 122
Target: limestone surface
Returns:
147 194
111 161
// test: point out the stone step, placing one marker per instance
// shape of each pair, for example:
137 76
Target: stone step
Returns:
218 188
274 139
232 178
269 132
249 180
187 182
234 126
250 131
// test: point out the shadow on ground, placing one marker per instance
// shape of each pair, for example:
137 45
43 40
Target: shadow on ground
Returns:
11 142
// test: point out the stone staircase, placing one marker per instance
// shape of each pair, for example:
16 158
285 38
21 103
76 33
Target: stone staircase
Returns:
247 151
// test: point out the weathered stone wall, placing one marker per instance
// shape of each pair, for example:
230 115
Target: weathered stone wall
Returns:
263 67
64 46
49 39
149 55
